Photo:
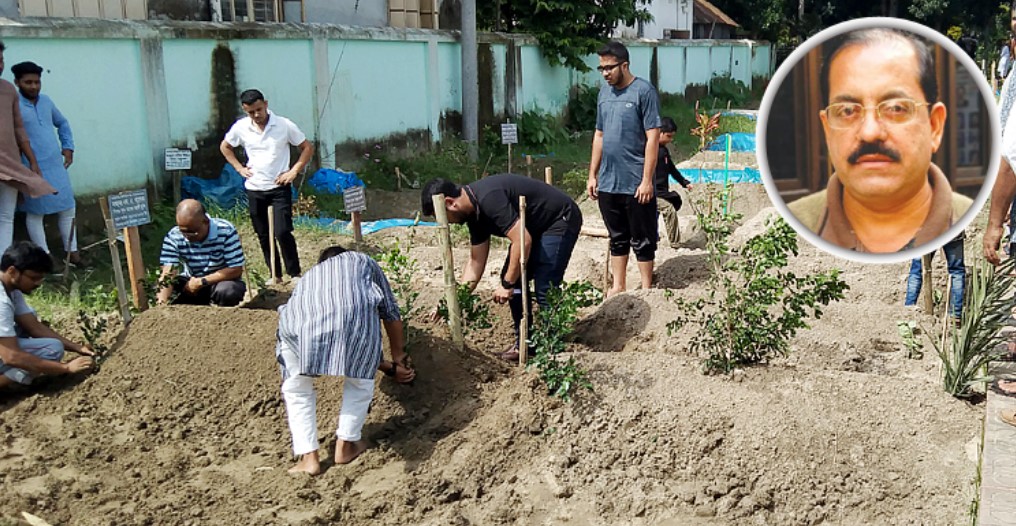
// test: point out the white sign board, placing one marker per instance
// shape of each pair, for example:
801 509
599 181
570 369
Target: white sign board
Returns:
509 133
355 199
178 159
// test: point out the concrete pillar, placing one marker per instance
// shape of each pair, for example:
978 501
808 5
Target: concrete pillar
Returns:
153 75
433 90
322 110
470 79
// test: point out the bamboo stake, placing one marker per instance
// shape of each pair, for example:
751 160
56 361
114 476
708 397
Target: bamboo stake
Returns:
529 166
524 326
271 244
114 252
451 288
398 179
548 175
929 289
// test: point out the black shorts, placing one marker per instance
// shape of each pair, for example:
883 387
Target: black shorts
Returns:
632 226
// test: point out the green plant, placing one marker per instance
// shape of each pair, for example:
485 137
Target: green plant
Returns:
555 323
754 305
966 350
400 268
100 298
258 281
93 329
475 313
908 333
539 130
581 111
726 90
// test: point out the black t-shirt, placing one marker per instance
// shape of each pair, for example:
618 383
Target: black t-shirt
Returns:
664 169
549 211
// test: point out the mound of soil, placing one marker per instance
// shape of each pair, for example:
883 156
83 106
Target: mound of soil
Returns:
184 424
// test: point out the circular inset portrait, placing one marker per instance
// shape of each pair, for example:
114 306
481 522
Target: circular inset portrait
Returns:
878 140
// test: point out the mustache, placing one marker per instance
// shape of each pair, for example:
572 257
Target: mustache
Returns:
873 148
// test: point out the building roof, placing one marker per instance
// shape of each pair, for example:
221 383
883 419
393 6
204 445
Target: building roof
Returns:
706 13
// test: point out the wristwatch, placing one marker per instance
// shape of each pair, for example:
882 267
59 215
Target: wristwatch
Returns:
507 284
204 282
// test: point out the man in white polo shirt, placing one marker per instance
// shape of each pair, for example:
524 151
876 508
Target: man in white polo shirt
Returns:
266 138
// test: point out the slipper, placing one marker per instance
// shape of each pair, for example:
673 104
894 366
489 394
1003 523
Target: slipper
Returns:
510 356
1008 416
1004 387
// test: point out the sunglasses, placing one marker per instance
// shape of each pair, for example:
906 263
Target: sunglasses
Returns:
608 67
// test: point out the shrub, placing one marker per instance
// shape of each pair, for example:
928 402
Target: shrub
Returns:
475 313
966 350
581 112
555 323
538 130
754 305
400 268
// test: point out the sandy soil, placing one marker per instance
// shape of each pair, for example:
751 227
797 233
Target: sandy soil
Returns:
184 424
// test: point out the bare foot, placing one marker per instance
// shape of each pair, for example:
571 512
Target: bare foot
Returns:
614 292
1007 386
348 451
308 464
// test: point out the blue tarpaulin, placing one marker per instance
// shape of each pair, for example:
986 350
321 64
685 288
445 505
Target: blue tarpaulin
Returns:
739 142
333 181
367 227
696 175
226 191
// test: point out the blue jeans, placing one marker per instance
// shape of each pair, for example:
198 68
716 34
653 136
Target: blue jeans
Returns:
547 262
957 274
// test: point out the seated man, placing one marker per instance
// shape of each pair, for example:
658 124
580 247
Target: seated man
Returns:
332 326
209 249
27 347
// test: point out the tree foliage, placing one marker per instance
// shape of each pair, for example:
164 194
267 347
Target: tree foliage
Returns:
567 30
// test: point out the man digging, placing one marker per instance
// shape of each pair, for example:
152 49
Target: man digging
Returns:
332 326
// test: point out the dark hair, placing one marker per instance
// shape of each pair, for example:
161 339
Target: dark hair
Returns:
434 187
2 46
331 252
866 37
25 255
25 68
667 125
614 49
251 96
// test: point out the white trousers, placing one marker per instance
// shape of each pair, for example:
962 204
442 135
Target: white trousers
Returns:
8 202
301 405
37 232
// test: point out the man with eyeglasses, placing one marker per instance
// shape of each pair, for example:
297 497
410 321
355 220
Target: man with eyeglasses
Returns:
623 165
209 251
882 124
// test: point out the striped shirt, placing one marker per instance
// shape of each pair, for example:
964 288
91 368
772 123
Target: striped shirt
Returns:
221 249
333 319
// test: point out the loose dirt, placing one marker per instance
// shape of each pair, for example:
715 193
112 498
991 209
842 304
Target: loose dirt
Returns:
184 424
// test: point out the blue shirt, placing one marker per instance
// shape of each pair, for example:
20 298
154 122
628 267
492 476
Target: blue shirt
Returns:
624 116
220 249
40 118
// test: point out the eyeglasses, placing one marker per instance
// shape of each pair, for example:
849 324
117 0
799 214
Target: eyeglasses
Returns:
846 115
189 233
608 67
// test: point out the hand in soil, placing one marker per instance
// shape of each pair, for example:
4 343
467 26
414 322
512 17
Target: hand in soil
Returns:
308 464
80 364
347 452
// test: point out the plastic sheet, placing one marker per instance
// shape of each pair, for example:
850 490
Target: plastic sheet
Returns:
739 142
696 175
226 191
367 227
331 181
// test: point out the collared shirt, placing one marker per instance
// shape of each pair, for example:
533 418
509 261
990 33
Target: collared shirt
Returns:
40 117
333 319
267 150
823 213
220 249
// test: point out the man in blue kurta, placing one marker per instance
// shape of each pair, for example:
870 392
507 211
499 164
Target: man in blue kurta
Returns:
54 152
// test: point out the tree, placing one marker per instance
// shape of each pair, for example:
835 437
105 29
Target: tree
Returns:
567 30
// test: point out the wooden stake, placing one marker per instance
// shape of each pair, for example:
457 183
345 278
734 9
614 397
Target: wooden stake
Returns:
529 166
509 157
451 287
929 288
398 179
357 228
246 272
524 326
548 175
67 250
271 244
114 252
177 183
135 267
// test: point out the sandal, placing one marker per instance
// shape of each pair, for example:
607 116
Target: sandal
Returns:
1004 387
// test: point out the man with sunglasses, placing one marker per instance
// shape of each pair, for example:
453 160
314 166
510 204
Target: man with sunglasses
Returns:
623 165
209 250
882 125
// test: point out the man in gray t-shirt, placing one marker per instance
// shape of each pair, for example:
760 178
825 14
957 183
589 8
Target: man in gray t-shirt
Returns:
29 348
623 164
